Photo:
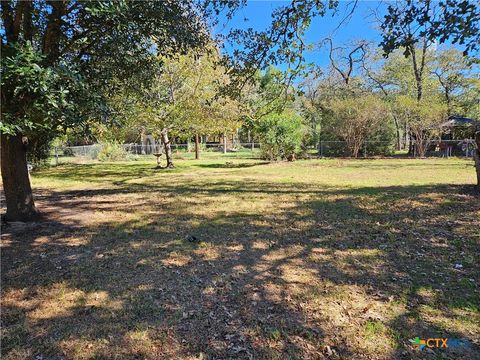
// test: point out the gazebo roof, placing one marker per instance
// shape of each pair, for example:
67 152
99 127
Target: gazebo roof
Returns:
458 121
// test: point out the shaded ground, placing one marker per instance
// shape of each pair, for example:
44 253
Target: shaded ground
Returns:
316 259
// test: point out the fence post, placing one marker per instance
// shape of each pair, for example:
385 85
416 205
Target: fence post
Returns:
365 149
253 145
56 156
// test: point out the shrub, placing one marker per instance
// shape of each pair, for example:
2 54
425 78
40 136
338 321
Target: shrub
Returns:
360 121
280 136
112 152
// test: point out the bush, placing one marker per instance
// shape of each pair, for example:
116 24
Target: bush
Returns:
280 136
382 141
112 152
360 122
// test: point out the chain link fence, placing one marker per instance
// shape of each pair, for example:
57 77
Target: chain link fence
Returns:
85 153
434 148
329 148
326 148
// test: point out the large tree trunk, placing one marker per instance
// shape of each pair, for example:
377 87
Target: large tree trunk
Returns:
16 181
197 147
167 148
476 155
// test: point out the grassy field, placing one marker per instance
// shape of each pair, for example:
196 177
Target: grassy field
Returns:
232 257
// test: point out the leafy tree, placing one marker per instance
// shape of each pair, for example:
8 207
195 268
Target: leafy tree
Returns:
184 100
55 53
282 42
311 105
452 70
469 101
356 119
200 107
378 77
423 118
448 79
410 24
267 94
395 76
414 26
318 90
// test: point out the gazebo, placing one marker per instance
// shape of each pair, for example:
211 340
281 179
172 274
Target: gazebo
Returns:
457 134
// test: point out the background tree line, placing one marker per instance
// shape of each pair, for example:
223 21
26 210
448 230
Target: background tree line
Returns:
379 100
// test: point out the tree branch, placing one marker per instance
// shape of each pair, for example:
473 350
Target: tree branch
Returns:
53 33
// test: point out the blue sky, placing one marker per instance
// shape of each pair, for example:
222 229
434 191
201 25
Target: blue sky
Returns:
257 14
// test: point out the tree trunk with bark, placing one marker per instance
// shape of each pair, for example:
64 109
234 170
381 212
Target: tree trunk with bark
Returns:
422 142
411 150
18 27
397 133
355 151
476 156
197 147
16 181
405 136
167 148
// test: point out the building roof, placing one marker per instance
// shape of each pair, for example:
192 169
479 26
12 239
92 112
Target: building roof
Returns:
459 121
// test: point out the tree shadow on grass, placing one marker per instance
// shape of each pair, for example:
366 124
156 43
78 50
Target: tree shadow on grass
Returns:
358 270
